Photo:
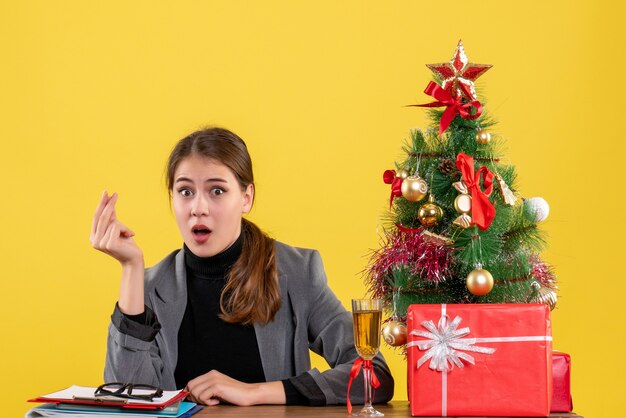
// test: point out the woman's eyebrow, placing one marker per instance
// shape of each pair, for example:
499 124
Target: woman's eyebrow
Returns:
215 179
182 179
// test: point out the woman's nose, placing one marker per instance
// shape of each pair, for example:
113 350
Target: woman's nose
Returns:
200 206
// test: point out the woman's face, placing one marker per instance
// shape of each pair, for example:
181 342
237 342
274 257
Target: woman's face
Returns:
208 205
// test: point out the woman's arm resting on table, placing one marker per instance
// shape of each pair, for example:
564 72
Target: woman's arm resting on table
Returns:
213 387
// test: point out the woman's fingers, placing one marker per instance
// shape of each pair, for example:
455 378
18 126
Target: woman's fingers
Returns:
203 394
114 232
208 399
190 397
105 218
110 240
214 387
111 236
96 216
207 395
118 243
198 388
125 231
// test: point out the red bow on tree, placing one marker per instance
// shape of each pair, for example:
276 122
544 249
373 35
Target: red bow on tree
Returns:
453 106
389 177
483 210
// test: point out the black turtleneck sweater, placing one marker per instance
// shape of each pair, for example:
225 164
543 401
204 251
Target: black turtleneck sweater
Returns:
205 341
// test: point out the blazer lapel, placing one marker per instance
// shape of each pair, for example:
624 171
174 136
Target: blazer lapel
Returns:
169 301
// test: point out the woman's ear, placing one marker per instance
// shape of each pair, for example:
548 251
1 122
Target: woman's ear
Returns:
248 198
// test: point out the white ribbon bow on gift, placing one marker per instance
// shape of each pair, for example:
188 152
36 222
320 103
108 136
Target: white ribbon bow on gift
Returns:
445 345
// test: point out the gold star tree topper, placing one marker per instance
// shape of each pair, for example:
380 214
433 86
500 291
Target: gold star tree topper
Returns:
458 75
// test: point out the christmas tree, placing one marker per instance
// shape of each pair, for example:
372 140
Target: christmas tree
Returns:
458 230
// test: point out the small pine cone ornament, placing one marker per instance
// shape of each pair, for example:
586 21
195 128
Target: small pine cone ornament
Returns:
447 167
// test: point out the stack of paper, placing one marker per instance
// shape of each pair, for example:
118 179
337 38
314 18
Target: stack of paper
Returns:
79 401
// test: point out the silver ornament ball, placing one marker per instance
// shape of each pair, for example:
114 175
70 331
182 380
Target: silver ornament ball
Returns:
537 209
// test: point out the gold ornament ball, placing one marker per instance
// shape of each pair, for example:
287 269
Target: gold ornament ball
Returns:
463 203
404 173
395 333
544 295
414 188
479 282
549 297
483 137
430 213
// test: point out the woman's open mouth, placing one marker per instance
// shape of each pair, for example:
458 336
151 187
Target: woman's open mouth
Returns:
200 233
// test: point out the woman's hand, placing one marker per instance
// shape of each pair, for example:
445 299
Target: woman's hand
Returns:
111 236
213 387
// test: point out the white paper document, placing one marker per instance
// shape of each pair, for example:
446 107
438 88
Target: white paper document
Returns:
84 392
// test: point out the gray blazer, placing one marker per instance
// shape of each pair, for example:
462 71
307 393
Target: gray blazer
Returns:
310 317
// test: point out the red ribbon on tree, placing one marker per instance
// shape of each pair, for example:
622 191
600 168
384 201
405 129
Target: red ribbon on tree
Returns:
354 372
483 210
453 106
389 177
406 230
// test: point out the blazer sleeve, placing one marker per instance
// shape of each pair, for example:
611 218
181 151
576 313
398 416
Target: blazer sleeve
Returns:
331 335
132 354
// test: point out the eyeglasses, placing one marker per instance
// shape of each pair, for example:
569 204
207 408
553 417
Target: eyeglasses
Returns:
125 391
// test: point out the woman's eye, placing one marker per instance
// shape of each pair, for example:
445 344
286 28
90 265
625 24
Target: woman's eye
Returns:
185 192
217 191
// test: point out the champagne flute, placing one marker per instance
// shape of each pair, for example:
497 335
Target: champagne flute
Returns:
367 315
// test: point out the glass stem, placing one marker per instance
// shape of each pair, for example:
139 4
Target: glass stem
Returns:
367 383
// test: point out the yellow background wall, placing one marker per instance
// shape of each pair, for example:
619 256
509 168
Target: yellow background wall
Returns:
94 94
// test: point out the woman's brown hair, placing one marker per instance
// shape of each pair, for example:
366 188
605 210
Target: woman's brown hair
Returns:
251 293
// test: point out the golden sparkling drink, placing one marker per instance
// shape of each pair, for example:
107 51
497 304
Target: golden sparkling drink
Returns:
367 332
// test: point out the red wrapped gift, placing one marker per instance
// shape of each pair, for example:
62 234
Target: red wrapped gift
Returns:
479 360
561 395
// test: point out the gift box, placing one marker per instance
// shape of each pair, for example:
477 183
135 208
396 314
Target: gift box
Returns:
479 360
561 395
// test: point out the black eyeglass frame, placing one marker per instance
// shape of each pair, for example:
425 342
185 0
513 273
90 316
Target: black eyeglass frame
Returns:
125 391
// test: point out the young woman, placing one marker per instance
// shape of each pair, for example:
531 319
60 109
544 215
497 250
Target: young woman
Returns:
232 315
